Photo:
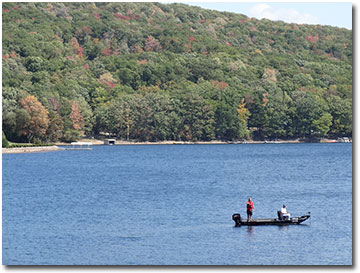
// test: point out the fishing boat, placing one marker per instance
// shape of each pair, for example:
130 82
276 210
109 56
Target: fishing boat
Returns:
269 221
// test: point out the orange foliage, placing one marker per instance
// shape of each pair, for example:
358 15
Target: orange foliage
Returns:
265 99
80 52
151 44
144 61
39 120
58 38
219 85
76 117
106 51
137 49
77 49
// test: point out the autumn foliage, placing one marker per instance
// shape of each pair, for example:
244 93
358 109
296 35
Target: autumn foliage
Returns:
219 84
88 62
123 17
76 117
312 39
77 49
38 121
151 44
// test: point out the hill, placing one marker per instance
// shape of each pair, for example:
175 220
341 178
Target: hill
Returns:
151 71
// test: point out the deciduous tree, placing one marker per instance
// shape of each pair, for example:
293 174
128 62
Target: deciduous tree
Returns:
38 122
76 117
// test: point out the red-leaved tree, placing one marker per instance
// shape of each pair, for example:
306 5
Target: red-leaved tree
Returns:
151 44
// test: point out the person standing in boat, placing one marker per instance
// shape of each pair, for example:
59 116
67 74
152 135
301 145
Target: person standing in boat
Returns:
285 214
249 209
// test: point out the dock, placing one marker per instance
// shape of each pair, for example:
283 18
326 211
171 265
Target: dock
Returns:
80 146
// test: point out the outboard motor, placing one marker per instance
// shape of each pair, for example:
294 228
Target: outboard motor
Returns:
237 219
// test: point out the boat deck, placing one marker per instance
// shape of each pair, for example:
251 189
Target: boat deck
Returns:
269 221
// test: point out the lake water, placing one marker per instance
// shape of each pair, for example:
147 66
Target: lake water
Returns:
172 205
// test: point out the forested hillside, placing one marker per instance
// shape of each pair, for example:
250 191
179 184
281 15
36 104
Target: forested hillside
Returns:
150 72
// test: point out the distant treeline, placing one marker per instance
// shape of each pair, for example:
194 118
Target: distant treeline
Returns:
150 71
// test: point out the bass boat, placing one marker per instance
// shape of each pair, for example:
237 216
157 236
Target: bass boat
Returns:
269 221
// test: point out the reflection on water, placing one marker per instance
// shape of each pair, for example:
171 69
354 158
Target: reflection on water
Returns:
283 229
250 230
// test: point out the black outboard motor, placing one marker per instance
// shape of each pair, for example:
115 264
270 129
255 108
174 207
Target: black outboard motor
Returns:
237 219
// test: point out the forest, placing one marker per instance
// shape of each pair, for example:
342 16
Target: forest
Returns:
153 72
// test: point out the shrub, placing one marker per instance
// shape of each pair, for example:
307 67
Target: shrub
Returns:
5 142
21 145
72 135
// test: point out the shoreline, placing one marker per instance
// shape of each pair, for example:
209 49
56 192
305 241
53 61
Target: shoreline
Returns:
24 150
119 142
177 142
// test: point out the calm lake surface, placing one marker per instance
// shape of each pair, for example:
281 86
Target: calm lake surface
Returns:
172 205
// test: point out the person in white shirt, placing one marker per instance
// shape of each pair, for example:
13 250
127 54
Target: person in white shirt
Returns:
285 214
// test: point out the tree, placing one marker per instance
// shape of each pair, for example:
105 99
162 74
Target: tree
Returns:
38 122
310 119
76 117
321 126
197 118
71 135
280 117
56 126
244 115
151 44
258 119
341 112
33 64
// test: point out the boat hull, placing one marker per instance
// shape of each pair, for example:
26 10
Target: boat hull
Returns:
269 221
